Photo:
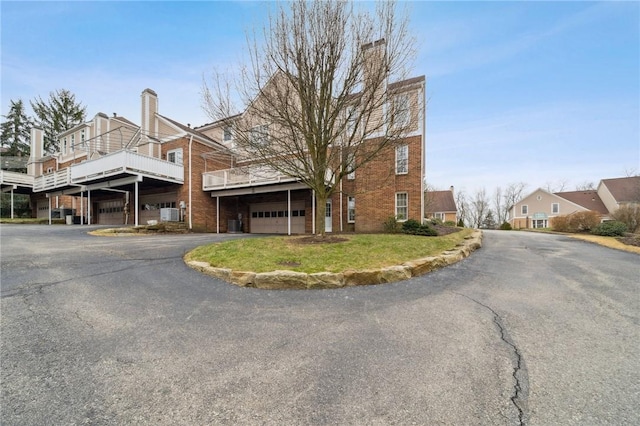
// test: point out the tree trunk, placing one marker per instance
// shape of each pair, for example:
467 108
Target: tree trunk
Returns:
321 208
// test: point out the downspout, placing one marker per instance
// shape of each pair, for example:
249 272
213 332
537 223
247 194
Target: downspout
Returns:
341 171
190 179
424 150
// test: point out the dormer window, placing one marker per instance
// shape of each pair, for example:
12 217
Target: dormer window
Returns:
227 135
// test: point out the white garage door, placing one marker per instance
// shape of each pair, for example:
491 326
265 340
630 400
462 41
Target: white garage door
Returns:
150 206
272 218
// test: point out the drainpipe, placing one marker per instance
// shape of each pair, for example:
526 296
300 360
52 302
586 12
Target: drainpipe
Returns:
190 179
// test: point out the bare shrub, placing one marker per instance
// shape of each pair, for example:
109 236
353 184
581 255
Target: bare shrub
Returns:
629 215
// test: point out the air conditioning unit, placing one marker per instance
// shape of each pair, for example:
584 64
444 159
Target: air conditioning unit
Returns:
169 215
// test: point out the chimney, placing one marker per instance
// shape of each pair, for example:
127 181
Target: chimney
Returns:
37 148
375 67
451 189
149 110
115 115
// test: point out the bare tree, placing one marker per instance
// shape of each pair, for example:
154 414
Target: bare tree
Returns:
558 186
479 206
512 194
498 205
463 207
586 186
314 94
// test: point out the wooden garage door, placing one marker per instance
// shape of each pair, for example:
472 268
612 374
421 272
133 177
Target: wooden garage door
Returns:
43 208
272 218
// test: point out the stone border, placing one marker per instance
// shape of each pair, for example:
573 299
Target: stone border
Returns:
277 280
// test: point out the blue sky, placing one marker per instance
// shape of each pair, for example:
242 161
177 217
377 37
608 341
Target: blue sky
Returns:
540 92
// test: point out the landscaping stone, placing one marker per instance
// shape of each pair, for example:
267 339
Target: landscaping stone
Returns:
243 278
281 280
364 277
325 280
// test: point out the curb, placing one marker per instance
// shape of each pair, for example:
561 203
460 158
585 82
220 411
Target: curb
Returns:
284 279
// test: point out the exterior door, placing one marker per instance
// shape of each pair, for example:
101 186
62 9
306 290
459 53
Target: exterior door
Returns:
328 227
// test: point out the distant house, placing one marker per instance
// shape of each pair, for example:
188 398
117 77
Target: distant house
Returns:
441 205
538 209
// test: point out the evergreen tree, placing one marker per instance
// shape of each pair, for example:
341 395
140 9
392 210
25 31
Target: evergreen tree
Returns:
16 131
489 222
61 112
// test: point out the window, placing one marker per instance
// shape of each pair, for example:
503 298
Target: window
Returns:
260 135
351 160
555 208
525 209
401 110
82 138
402 205
402 159
227 134
351 209
175 156
64 146
73 142
439 216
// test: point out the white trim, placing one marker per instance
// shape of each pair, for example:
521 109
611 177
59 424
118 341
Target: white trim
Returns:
406 206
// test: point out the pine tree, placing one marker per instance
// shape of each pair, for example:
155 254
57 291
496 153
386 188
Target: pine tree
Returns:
60 113
489 222
16 131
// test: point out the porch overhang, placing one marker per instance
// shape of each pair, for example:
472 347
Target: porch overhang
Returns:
263 189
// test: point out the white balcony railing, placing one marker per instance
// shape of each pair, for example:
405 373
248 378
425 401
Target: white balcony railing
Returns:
53 180
15 178
243 177
110 165
125 161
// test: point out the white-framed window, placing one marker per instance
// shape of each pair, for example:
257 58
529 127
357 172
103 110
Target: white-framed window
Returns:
402 159
175 156
401 110
227 135
64 146
555 208
82 137
260 134
351 209
524 209
402 206
439 215
73 143
351 161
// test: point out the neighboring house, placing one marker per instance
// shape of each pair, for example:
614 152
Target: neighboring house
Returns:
112 171
441 205
538 209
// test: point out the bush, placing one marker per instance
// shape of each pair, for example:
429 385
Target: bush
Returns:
460 223
576 222
629 215
506 226
413 227
391 225
612 228
450 223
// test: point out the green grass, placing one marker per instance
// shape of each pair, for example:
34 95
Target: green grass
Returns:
40 221
361 251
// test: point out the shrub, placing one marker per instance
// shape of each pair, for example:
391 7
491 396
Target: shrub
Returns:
410 226
506 226
629 215
460 223
612 228
413 227
584 221
391 225
450 223
576 222
435 221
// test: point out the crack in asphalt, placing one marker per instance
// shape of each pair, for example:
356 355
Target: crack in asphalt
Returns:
520 391
32 288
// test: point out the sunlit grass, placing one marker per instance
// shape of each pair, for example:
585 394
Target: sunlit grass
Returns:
360 251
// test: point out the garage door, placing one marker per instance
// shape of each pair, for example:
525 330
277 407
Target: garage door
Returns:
43 209
111 212
272 218
150 206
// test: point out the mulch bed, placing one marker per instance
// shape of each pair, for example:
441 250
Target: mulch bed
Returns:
630 241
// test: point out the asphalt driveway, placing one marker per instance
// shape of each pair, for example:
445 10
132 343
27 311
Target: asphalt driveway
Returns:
531 329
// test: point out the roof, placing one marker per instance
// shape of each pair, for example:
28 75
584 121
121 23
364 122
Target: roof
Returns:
192 131
624 189
588 199
440 201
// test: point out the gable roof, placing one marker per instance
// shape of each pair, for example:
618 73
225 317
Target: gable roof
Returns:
588 199
196 133
440 201
624 189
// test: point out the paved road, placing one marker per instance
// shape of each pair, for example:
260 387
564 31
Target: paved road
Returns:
531 329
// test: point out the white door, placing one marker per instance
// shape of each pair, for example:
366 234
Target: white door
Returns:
327 218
